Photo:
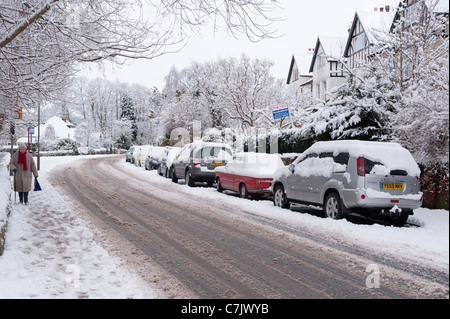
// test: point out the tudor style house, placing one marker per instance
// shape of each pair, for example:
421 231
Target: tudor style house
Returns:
299 71
366 31
326 66
414 11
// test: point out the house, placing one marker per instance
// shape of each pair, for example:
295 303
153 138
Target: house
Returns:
414 11
365 34
326 66
299 71
55 128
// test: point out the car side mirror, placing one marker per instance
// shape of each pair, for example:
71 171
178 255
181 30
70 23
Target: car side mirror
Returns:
292 168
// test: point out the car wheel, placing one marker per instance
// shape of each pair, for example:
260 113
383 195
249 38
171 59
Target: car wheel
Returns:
219 186
333 206
174 176
279 198
188 179
400 221
243 193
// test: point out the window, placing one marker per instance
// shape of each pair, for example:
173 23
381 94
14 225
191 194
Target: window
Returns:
360 41
213 152
336 69
341 158
324 90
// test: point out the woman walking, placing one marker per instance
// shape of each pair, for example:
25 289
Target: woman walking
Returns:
23 166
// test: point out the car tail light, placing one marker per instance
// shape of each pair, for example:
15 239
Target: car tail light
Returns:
360 168
196 161
395 201
363 196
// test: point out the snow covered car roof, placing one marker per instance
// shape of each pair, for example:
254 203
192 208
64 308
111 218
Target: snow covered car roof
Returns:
251 164
391 155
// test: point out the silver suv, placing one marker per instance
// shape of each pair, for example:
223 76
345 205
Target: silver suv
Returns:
197 162
370 178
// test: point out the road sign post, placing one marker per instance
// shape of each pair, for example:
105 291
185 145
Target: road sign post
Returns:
30 134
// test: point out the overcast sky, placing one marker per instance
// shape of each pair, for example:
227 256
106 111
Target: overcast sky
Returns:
303 22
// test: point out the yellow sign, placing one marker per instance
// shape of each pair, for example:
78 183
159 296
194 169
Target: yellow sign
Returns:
18 113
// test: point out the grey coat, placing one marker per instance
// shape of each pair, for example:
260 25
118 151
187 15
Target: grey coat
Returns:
23 179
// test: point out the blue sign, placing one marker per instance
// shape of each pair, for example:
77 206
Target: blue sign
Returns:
280 111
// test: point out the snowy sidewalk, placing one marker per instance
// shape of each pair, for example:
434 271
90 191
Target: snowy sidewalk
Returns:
51 253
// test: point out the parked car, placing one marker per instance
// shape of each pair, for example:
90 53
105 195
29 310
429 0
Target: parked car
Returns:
129 155
166 161
250 174
370 178
197 161
153 159
140 154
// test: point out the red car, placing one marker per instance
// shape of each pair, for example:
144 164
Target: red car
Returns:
249 174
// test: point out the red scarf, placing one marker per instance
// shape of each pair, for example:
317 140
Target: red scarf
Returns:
23 160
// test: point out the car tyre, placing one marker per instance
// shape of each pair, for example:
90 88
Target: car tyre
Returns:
243 193
188 179
333 206
401 220
279 198
219 186
174 176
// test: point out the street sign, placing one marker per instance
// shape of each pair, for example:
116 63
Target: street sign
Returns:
280 111
31 130
18 113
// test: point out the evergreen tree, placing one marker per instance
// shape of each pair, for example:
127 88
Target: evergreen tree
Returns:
128 114
357 110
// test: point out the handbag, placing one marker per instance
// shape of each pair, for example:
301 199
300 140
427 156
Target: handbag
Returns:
37 187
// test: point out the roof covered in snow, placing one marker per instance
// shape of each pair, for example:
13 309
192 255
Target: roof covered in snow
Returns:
333 49
62 129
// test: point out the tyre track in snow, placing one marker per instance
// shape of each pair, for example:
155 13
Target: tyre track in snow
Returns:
212 253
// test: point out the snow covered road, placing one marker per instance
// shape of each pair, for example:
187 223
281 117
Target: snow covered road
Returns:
195 242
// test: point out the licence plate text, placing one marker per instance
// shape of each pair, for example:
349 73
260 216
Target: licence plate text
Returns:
397 186
217 163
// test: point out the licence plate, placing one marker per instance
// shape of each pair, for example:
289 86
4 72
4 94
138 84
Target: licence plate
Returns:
396 186
217 163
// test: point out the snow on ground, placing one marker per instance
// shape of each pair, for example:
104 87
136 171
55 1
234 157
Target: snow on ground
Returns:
51 253
428 243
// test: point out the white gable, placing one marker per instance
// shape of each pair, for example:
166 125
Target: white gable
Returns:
61 129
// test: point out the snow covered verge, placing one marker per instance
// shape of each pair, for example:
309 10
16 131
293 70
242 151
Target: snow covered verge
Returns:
50 251
5 192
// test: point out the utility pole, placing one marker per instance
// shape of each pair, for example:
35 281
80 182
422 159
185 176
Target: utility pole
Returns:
12 130
38 138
